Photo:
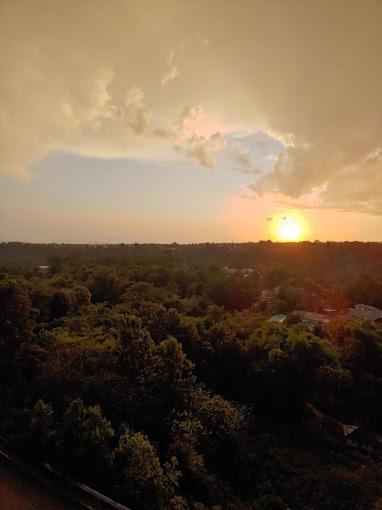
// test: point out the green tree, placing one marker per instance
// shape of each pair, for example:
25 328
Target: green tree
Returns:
176 379
140 479
86 437
105 285
17 321
284 367
42 427
62 303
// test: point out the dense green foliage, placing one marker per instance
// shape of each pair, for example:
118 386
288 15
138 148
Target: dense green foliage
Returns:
152 372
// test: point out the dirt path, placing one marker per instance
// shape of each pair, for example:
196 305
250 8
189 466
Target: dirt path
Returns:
19 492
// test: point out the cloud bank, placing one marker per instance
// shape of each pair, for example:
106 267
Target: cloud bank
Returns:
124 79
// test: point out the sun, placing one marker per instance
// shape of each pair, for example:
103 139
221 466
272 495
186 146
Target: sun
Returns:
291 227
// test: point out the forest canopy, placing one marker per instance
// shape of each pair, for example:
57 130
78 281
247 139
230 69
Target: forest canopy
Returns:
154 373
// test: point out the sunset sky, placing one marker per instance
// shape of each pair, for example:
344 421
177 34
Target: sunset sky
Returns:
190 121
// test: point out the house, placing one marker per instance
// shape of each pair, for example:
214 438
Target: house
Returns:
280 318
356 436
351 433
312 319
246 271
267 296
366 312
359 437
43 269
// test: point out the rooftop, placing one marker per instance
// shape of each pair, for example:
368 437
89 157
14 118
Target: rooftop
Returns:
367 312
277 318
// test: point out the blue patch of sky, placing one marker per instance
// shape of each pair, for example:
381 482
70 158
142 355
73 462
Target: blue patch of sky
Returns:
263 150
72 183
66 185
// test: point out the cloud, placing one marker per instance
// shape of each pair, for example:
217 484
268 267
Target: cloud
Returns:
173 70
217 141
242 157
198 148
186 46
187 119
271 157
171 74
195 146
161 133
309 73
202 149
139 115
357 187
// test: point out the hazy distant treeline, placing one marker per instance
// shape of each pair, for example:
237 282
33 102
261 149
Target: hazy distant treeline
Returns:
318 258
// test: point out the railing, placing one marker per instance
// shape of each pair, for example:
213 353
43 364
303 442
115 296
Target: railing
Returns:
83 495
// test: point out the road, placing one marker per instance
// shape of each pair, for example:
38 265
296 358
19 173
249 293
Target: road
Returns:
19 492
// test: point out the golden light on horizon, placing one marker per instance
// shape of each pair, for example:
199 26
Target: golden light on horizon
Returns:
290 227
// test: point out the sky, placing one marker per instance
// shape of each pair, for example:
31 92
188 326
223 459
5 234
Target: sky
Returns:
145 121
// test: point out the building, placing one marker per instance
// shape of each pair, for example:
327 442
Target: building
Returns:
366 312
312 319
267 296
279 318
246 271
356 436
359 437
43 269
351 433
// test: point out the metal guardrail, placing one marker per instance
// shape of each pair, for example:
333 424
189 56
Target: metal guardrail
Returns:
101 497
81 494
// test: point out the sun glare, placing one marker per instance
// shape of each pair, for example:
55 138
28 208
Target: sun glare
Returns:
289 228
